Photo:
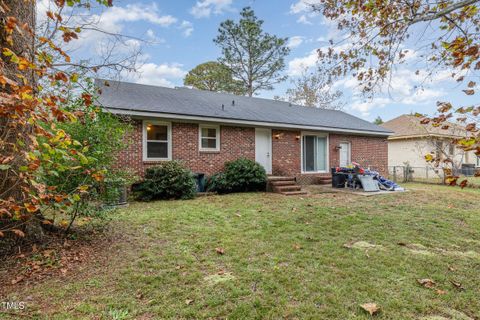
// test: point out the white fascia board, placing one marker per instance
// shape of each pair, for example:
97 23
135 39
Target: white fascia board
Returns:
147 114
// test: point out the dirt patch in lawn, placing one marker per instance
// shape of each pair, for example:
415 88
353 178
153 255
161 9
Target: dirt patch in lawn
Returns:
59 258
420 249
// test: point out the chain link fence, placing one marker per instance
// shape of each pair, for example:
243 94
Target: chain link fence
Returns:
428 174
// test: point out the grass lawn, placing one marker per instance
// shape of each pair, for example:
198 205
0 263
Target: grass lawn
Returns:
317 257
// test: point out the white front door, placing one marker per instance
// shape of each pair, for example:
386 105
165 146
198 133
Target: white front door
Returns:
263 148
345 154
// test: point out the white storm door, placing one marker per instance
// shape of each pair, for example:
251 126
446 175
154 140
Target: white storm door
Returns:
263 148
345 154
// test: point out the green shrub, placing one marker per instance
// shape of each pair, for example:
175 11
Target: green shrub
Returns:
170 180
241 175
218 183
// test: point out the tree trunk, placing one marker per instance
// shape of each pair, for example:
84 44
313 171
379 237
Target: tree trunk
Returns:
24 46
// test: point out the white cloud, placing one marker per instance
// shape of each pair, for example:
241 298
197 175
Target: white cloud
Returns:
298 65
158 74
204 8
402 90
364 107
304 20
301 6
187 28
113 18
304 9
295 41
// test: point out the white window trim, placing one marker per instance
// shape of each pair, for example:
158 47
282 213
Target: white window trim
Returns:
327 163
349 160
208 126
169 140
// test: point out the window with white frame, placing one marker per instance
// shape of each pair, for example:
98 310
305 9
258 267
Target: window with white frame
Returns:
209 139
156 140
314 153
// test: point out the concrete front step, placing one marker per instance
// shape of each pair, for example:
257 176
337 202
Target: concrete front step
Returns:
287 188
294 193
283 183
279 178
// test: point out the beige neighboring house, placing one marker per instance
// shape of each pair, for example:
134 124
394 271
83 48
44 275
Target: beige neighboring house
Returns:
412 140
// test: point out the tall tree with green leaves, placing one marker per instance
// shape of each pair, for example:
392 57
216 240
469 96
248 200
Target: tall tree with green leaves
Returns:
254 57
378 120
213 76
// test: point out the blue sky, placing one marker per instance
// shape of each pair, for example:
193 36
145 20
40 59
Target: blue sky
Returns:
180 35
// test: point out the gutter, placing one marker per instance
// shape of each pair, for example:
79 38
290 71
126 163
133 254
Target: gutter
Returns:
147 114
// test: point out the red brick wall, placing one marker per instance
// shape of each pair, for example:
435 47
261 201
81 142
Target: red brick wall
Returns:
368 151
286 151
236 142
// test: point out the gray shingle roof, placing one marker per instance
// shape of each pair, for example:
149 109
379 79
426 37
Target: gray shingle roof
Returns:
131 97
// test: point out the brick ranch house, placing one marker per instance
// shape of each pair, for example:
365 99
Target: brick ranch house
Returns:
205 129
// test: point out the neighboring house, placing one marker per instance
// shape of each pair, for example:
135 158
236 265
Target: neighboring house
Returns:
205 129
412 140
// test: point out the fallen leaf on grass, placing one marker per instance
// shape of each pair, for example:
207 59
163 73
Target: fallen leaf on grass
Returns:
17 280
19 233
188 302
457 285
371 308
220 251
427 283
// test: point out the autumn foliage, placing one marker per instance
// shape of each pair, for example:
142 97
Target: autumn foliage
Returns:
375 36
33 95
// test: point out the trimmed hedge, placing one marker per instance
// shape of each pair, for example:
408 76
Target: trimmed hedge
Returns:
241 175
170 180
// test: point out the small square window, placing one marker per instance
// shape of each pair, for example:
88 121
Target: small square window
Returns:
209 138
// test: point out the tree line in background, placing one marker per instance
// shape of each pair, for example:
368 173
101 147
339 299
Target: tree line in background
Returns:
253 60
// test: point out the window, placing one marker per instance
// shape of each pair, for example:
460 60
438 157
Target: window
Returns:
451 149
156 141
314 153
438 149
209 138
